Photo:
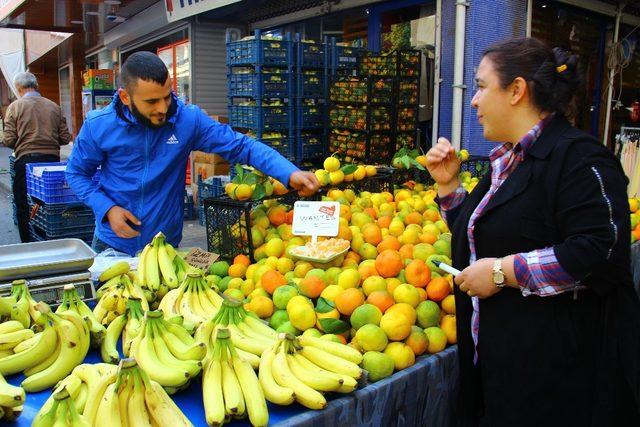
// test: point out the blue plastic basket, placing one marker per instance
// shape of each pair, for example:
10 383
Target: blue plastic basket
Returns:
51 187
310 116
284 146
258 85
311 146
346 56
57 220
310 84
255 117
310 54
38 234
259 52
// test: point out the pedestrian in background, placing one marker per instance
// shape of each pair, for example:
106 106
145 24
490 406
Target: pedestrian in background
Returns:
35 128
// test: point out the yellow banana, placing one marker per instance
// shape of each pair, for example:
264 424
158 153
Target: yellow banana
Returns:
151 270
252 333
168 303
166 266
304 394
108 348
11 339
80 400
163 410
348 383
72 352
231 391
192 367
245 343
96 394
330 362
260 327
10 396
53 356
5 353
33 355
115 269
212 393
340 350
145 354
108 414
26 344
253 360
10 326
255 403
180 350
311 378
140 270
82 325
124 393
138 416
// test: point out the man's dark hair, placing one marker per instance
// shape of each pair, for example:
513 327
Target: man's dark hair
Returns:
145 66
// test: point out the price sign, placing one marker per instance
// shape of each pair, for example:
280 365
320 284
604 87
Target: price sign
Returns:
201 259
316 219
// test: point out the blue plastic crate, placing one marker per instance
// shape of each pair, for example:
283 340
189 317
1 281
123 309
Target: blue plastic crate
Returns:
265 84
310 116
310 84
189 208
258 51
346 56
283 146
64 219
310 54
311 146
211 187
51 186
255 117
39 235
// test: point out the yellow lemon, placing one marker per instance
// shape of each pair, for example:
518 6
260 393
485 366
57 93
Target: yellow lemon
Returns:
331 164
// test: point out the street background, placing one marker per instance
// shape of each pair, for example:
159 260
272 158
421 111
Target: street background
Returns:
193 235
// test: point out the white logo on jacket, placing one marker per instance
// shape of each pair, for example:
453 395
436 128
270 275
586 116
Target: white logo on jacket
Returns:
173 140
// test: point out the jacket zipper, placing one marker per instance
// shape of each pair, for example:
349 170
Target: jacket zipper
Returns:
144 179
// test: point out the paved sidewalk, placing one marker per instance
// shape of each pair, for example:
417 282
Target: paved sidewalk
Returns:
193 234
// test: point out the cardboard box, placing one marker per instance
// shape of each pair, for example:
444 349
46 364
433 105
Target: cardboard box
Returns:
205 170
210 158
220 119
98 79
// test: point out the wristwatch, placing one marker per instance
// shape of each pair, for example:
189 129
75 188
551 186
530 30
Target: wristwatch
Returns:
498 274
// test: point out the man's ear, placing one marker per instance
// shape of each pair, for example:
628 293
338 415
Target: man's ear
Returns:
124 97
519 90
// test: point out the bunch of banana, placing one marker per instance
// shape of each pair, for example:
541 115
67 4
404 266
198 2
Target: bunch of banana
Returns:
160 268
193 299
63 412
84 382
230 387
11 400
290 370
167 352
116 269
250 336
51 354
113 302
127 325
13 334
72 301
20 306
112 395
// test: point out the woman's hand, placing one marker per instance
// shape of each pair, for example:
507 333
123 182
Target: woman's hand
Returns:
443 164
477 279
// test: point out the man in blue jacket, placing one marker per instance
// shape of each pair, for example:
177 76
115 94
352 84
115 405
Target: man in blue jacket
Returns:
142 141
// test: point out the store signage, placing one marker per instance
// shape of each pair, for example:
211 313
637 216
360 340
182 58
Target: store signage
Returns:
8 6
180 9
316 219
201 259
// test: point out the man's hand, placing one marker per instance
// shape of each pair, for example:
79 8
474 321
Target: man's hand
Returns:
477 279
305 183
118 218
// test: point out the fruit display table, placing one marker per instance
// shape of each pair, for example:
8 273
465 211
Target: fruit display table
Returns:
420 395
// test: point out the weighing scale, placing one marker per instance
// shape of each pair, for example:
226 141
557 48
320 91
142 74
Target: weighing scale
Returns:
50 288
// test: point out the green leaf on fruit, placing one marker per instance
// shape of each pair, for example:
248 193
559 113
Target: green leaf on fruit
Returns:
334 326
324 306
259 192
348 169
406 161
239 171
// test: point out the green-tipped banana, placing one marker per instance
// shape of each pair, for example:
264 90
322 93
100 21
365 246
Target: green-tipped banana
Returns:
151 268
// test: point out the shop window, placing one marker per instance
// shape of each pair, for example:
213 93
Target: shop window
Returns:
177 58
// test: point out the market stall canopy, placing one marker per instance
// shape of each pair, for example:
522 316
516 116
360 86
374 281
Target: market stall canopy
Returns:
11 55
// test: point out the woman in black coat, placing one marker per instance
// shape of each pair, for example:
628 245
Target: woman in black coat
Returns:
548 321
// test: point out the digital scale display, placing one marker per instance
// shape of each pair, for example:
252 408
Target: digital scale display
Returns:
51 289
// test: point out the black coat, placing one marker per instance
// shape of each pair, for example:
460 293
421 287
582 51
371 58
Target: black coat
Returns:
558 360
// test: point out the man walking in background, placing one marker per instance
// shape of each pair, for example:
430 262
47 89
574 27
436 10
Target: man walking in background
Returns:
35 128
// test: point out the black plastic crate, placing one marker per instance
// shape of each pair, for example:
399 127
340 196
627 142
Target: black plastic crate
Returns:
310 84
63 219
310 54
310 146
478 166
12 166
84 233
310 116
381 181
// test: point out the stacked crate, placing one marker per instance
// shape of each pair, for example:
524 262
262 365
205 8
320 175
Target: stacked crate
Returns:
408 98
12 174
260 90
56 212
311 71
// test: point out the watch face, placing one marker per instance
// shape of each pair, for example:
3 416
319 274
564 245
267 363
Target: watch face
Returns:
498 277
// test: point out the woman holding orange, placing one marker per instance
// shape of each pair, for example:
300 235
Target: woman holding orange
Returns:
548 321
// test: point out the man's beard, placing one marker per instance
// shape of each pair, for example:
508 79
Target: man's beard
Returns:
144 120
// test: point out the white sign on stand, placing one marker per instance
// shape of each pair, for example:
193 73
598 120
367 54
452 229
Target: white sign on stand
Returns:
316 219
